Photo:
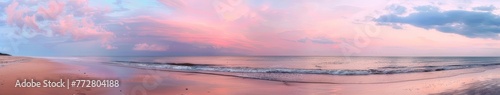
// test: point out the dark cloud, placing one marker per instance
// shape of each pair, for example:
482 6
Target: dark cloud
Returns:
485 8
318 40
468 23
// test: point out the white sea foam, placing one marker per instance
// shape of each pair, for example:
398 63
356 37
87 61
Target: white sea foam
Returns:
215 68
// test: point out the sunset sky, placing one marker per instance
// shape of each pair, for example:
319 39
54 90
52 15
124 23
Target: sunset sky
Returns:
250 27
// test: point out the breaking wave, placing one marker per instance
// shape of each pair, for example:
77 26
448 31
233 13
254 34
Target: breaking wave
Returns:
343 72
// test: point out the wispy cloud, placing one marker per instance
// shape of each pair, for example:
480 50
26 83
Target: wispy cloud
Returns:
149 47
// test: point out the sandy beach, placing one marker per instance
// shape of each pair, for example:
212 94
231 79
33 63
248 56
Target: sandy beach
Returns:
134 81
20 68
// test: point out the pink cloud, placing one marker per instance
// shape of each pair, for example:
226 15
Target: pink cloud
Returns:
149 47
228 37
238 27
81 29
52 11
15 14
202 34
30 21
60 18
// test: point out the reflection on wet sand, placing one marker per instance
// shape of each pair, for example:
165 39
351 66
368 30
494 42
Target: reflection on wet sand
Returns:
489 87
181 83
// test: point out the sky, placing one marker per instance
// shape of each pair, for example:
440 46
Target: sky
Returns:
250 27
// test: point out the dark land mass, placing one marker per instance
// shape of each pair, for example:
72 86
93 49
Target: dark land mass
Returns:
4 54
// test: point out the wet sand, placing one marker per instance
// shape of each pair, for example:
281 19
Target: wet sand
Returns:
153 82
